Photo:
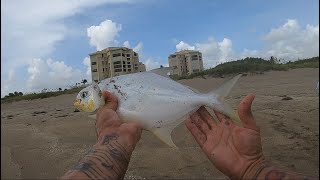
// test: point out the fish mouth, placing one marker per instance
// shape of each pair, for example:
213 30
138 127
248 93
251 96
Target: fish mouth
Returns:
78 104
84 106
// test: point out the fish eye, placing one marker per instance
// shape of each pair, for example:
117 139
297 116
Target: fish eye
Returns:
84 94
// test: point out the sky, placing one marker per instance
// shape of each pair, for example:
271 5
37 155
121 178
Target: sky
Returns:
45 43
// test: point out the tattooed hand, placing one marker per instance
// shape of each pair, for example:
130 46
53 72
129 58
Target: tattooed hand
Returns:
108 122
109 157
236 151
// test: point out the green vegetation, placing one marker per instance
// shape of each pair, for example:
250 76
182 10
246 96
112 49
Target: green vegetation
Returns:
41 95
252 65
18 96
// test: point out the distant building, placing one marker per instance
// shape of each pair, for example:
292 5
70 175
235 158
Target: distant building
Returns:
114 61
186 62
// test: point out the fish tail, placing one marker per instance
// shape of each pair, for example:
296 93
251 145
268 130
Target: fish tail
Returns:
217 99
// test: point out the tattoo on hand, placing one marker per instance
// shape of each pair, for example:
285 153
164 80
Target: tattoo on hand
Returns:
108 138
108 161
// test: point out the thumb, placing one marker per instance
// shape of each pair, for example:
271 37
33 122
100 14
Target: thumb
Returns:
111 101
245 114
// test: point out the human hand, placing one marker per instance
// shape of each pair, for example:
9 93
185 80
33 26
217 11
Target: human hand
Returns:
108 123
232 149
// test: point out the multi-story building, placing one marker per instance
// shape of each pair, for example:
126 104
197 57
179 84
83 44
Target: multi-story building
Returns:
186 62
114 61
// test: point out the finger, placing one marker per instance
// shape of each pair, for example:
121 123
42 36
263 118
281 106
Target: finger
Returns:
219 115
197 134
199 122
111 100
245 113
206 116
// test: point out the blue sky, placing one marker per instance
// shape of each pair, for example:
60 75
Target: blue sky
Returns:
46 45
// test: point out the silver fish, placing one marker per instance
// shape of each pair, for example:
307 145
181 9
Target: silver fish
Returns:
156 102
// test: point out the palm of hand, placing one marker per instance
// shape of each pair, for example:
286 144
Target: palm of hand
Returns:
231 148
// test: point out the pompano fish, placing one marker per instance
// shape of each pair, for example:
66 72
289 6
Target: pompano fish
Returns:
156 102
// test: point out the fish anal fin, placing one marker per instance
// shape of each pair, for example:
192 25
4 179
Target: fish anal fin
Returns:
164 134
93 116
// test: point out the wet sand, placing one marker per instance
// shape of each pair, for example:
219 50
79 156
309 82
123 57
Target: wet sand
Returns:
41 139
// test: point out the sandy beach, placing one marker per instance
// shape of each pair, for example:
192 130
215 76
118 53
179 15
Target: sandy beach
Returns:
43 138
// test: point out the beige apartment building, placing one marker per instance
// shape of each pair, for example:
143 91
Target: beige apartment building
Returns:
186 62
114 61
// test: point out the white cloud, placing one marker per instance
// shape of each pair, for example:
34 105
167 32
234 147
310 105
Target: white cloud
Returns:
126 44
137 48
30 32
51 74
103 35
86 62
11 76
184 46
213 52
249 53
291 42
151 63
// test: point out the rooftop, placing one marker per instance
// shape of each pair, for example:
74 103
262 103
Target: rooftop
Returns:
110 49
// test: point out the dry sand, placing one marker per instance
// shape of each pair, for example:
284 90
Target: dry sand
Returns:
41 139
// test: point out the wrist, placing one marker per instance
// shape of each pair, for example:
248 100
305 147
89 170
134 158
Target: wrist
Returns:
255 169
111 136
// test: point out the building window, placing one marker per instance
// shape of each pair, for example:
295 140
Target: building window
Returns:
101 55
94 70
102 69
117 62
123 62
194 57
129 66
173 56
118 70
96 81
136 64
93 63
136 68
128 59
117 66
129 70
123 55
116 55
196 70
124 70
128 63
128 55
124 66
135 54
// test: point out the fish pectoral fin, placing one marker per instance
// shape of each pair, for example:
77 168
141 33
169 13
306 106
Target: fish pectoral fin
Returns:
164 134
93 116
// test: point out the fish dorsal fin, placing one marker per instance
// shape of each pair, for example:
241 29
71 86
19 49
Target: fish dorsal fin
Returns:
164 71
164 134
224 90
